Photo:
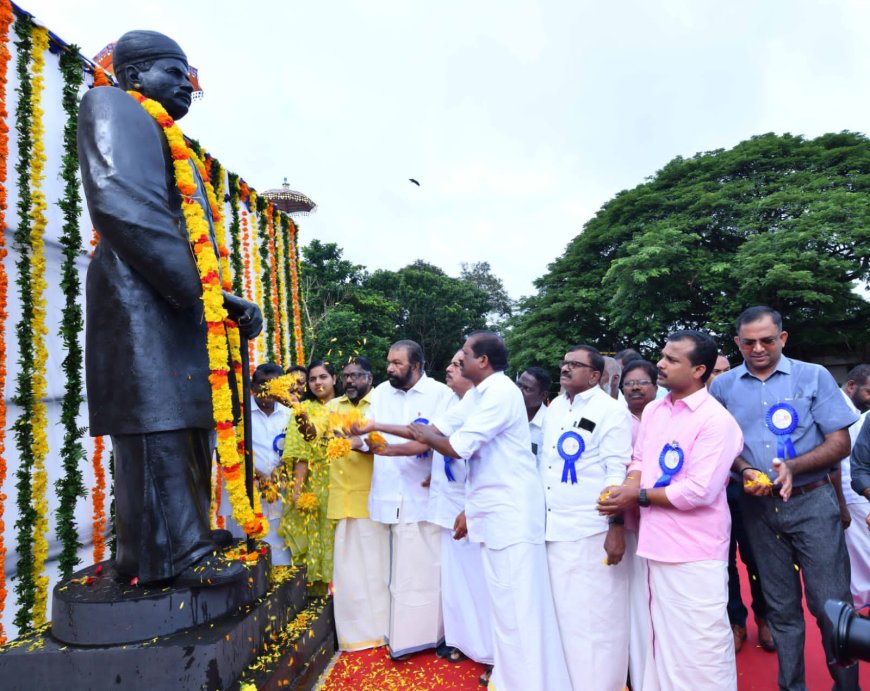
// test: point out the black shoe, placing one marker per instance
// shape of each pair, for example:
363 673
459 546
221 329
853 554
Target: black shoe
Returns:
222 538
209 571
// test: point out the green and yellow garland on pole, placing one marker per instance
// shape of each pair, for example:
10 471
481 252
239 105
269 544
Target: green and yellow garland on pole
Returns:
70 487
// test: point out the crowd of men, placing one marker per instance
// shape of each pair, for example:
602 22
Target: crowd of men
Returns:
593 540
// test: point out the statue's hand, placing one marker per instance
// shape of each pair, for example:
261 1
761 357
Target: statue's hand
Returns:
246 314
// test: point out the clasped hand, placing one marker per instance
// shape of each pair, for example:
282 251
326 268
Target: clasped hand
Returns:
246 314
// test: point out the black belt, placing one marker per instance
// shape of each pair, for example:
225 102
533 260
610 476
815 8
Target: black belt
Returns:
809 487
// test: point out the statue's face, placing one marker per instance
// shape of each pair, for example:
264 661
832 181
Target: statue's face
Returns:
167 83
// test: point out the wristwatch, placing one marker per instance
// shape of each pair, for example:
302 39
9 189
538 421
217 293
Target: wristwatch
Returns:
642 499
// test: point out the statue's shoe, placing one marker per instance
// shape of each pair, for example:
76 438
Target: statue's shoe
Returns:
211 570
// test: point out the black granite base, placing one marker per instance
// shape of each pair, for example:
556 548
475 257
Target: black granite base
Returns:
98 607
295 660
211 656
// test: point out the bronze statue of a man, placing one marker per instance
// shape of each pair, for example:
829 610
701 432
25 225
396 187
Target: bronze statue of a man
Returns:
146 360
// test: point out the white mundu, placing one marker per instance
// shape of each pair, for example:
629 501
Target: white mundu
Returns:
504 509
688 616
398 498
464 598
587 447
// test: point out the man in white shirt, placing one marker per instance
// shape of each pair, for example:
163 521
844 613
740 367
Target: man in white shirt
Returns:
399 498
857 393
269 421
587 448
504 511
465 602
535 385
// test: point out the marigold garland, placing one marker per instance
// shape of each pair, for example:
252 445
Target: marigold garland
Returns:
40 330
216 318
217 494
215 172
294 283
282 277
265 300
273 282
235 229
6 18
98 497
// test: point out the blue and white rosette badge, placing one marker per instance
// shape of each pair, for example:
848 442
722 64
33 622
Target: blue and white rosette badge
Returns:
782 420
570 447
421 421
278 444
670 461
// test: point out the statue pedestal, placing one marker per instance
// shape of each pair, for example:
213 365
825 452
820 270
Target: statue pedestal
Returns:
212 652
96 607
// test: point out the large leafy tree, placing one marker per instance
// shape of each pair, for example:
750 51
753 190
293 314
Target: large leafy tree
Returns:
435 309
351 312
777 220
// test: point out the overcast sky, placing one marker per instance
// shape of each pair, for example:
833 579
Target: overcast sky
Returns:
519 119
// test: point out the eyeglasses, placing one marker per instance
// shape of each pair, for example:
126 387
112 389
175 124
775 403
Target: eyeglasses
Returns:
636 382
355 376
573 364
766 341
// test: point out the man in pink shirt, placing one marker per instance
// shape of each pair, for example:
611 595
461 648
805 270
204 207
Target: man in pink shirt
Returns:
684 450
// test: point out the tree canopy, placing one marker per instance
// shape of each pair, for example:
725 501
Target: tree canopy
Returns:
777 220
349 311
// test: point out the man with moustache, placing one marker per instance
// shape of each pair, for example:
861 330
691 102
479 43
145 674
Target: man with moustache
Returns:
504 512
683 453
399 499
856 391
361 555
795 423
587 447
465 602
739 540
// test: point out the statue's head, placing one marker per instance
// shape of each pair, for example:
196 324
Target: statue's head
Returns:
155 66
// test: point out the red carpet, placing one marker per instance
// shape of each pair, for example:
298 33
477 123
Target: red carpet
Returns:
757 669
372 670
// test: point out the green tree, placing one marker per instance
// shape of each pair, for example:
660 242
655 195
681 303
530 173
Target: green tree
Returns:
480 274
435 309
777 220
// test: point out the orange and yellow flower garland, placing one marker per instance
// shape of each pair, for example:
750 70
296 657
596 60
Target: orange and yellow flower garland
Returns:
294 283
39 489
273 271
216 316
6 18
98 497
281 314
